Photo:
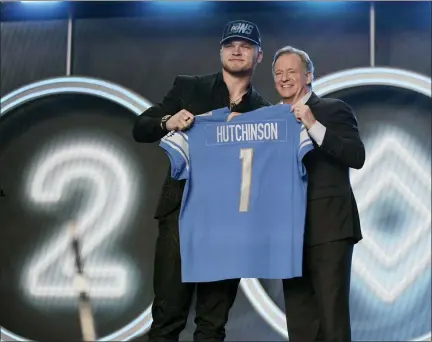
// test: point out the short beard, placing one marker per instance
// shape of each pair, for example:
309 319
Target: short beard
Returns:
238 73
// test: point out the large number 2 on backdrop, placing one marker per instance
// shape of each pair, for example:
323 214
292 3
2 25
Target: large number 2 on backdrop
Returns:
246 156
103 176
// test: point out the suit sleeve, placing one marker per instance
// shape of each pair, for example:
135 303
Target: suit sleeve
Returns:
342 138
147 126
305 146
176 146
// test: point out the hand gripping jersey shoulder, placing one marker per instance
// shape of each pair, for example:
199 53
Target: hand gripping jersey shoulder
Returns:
176 143
245 194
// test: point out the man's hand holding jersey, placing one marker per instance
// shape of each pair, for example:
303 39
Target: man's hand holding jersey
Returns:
303 114
180 121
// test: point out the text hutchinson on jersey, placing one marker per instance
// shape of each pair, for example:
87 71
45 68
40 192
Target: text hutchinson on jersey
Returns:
229 133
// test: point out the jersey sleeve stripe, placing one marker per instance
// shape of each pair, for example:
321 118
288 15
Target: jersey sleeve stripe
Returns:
305 143
177 148
185 137
304 136
180 140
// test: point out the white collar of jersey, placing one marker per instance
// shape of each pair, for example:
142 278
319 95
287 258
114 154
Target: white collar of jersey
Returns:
304 99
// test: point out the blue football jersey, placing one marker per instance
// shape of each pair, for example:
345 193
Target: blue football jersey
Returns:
244 204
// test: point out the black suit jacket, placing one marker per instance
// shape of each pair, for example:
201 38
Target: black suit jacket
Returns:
332 209
197 94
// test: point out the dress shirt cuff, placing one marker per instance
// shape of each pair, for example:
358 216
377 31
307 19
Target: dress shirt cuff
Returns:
317 132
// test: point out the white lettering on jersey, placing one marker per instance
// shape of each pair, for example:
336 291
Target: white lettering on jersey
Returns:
247 132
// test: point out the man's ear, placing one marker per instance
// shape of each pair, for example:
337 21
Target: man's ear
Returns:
309 78
260 56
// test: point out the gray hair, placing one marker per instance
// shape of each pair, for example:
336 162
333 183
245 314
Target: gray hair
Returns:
307 62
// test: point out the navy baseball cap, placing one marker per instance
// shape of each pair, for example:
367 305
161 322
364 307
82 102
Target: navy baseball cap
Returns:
242 29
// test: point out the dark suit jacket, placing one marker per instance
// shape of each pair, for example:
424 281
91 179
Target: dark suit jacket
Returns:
197 94
332 209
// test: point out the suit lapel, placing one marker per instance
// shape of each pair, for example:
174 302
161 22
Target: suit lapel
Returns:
313 100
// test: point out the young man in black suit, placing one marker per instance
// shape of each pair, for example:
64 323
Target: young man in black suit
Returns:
191 95
317 304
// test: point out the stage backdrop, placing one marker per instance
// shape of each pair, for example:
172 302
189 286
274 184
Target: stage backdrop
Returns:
66 153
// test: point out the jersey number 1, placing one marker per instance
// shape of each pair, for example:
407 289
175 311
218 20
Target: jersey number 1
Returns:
246 155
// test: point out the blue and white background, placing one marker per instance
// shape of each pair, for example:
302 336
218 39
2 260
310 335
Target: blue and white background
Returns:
74 76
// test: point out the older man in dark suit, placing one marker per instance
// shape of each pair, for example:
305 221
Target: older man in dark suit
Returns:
317 304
